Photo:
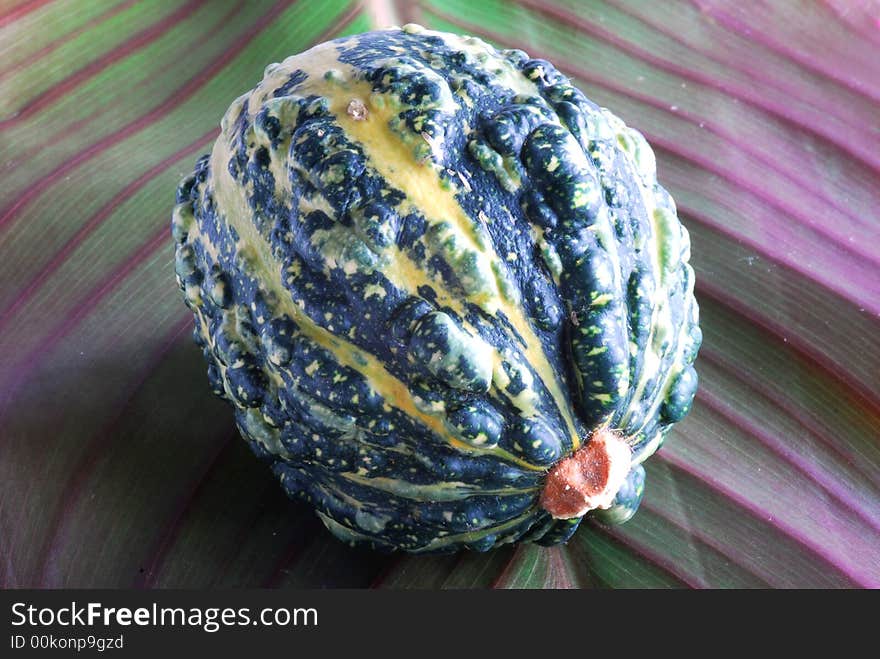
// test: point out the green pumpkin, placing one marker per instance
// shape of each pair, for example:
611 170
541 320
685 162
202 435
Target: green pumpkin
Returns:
442 289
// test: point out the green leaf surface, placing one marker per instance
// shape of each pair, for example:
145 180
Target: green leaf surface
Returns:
119 468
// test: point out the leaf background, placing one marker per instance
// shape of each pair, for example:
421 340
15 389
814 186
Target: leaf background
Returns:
117 466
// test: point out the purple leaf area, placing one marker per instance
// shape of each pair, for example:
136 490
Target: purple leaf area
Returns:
118 467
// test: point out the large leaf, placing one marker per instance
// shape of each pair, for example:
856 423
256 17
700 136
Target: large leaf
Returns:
119 468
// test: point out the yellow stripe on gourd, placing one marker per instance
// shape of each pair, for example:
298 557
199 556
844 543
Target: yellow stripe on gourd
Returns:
425 192
442 491
233 207
393 159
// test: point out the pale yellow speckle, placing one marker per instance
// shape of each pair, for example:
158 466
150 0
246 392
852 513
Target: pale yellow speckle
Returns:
376 290
601 300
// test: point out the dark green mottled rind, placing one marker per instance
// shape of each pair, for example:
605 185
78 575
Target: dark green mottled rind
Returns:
591 251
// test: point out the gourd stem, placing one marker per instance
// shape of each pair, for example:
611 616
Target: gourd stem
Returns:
589 478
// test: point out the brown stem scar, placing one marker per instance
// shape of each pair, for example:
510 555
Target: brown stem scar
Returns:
357 110
589 478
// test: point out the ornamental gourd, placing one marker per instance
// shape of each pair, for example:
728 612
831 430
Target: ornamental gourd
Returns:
442 289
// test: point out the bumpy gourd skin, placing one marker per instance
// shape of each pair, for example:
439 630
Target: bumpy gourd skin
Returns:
423 271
